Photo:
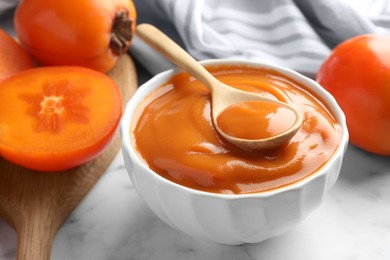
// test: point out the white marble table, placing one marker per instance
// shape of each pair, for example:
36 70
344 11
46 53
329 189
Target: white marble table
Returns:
113 222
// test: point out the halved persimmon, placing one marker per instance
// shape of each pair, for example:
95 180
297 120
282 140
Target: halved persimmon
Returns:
56 118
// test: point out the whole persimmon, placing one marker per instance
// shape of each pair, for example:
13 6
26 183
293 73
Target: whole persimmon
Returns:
357 74
13 58
85 33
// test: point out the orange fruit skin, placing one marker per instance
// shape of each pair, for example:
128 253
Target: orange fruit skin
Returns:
13 58
72 32
357 74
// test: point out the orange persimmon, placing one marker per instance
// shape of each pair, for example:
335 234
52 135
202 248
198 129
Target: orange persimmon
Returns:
76 32
357 74
13 58
56 118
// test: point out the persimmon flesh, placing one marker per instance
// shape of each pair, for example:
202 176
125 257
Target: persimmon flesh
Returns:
56 118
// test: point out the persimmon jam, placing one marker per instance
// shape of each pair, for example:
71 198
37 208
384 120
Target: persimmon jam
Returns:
173 134
255 120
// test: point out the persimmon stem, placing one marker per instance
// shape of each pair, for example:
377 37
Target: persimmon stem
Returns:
121 33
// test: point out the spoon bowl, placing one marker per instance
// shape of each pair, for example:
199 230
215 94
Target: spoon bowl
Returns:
223 96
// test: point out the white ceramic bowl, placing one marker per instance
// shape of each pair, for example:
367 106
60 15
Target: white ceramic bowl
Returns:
231 219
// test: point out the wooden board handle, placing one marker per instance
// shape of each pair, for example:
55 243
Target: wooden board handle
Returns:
35 204
34 241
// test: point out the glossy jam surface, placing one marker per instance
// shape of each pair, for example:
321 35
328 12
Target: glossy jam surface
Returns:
255 120
173 133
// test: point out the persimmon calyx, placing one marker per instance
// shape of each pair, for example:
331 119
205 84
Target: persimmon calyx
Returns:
121 33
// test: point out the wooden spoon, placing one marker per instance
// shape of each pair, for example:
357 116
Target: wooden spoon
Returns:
36 204
223 95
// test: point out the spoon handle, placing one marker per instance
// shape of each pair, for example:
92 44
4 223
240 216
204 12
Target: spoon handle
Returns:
173 52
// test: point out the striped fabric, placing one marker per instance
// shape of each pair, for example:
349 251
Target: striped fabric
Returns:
6 5
298 34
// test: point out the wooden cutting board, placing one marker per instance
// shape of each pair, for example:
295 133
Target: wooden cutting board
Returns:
36 204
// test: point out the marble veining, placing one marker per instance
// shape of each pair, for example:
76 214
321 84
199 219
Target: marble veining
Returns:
114 223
